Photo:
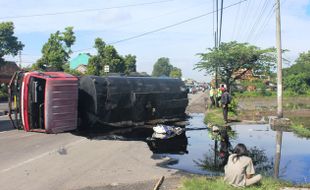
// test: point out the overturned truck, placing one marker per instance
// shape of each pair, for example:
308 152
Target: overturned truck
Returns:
54 102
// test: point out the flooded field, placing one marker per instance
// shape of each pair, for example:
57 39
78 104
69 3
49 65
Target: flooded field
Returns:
198 150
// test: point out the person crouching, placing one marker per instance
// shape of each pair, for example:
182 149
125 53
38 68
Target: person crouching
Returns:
239 170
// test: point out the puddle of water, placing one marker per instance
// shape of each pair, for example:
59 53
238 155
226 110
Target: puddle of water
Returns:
259 139
198 150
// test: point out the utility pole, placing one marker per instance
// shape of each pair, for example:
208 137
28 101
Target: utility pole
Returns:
279 61
221 22
216 38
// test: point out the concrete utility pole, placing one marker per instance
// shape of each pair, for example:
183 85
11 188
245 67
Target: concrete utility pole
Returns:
279 61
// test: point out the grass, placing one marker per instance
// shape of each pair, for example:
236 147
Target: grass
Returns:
215 117
301 130
202 183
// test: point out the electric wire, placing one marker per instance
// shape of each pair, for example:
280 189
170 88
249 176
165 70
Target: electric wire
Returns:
158 16
240 25
248 20
235 23
84 10
263 27
258 20
165 27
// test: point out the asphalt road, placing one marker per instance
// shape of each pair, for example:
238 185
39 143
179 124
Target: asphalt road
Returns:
3 107
66 161
37 161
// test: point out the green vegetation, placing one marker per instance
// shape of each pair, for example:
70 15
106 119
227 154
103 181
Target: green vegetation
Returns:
56 51
9 45
108 55
301 130
297 77
176 73
215 117
201 183
162 67
232 60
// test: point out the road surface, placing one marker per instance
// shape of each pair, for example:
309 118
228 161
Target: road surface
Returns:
66 161
39 161
197 102
3 107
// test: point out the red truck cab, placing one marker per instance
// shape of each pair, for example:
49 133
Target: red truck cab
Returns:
44 101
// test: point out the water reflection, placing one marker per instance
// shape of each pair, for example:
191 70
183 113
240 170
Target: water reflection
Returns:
217 156
203 151
174 145
291 163
278 154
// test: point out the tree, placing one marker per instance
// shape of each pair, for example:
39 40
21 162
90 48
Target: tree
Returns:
232 57
9 45
106 55
56 51
297 77
301 68
297 83
176 73
162 67
130 63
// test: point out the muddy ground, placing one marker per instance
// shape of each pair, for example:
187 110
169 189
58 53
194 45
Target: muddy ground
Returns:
258 108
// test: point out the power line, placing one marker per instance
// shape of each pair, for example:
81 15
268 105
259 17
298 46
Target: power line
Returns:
265 23
258 20
158 16
166 27
243 23
236 21
84 10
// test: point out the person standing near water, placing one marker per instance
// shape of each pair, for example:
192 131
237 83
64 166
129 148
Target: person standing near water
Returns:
239 170
212 94
225 100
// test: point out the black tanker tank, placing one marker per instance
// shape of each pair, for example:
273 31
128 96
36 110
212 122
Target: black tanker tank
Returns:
125 101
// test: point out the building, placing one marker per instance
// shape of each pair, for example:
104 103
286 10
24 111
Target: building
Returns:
244 74
82 68
7 69
81 59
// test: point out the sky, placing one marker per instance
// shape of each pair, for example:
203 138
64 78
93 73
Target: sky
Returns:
252 21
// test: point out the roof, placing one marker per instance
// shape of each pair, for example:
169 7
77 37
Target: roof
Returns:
81 59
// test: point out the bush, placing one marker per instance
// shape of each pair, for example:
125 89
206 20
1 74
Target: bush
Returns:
297 83
233 106
261 88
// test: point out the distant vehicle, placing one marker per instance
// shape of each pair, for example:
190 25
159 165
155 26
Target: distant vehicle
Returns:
191 89
54 102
